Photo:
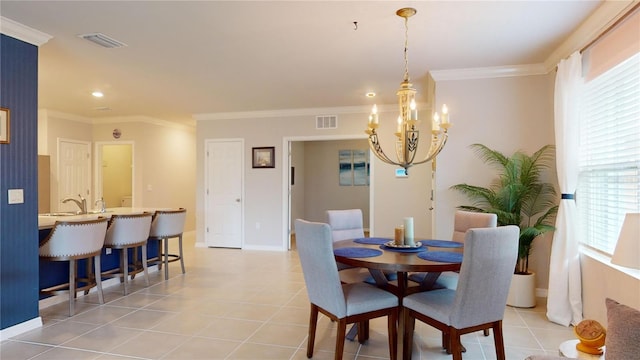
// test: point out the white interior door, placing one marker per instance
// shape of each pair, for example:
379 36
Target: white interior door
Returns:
224 184
74 172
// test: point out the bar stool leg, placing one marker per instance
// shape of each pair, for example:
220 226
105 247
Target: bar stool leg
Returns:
72 286
181 257
97 269
125 269
144 263
166 258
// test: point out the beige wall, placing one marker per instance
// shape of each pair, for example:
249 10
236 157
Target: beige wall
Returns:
506 114
164 157
117 173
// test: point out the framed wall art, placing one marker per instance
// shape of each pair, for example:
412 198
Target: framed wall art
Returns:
264 157
5 125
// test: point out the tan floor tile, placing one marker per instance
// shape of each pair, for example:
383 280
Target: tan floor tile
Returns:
66 354
251 311
280 334
102 314
258 351
150 345
58 333
137 300
102 339
14 350
291 315
230 329
185 323
142 319
203 348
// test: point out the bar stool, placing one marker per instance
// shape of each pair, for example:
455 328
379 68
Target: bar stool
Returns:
128 232
71 241
168 224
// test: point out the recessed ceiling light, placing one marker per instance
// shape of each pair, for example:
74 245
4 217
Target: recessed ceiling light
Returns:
370 94
97 94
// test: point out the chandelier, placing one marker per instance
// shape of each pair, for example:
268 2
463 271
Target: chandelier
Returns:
407 127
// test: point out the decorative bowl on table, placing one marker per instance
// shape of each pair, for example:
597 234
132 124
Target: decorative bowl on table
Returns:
392 244
591 335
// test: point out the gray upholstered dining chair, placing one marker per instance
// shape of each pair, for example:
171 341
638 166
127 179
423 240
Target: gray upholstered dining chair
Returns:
167 224
343 303
126 232
71 241
480 299
348 224
463 221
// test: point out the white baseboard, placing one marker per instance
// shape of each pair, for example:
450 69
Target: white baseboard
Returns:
542 292
21 328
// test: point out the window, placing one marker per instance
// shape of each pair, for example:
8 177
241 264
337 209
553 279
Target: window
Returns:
609 162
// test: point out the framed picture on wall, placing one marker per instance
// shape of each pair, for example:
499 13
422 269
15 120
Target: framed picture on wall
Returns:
264 157
4 125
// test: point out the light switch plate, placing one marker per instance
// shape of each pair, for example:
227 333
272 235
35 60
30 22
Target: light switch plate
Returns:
16 196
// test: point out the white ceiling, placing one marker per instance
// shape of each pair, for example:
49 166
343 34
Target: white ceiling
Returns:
204 57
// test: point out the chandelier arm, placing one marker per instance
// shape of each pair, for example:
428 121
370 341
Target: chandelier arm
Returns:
432 154
374 145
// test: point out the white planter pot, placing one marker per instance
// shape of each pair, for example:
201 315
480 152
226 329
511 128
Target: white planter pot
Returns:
522 292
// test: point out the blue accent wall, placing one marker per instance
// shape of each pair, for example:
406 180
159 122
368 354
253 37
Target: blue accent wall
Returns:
19 170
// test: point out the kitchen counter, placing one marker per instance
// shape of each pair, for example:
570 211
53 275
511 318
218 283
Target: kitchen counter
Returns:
46 221
53 272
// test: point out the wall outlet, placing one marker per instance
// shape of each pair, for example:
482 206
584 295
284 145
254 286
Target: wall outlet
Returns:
16 196
108 251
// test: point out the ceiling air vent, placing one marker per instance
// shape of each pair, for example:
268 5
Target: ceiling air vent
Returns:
326 122
102 40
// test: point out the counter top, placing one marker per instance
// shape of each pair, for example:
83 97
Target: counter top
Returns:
47 221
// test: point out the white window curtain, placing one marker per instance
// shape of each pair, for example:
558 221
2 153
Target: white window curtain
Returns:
564 299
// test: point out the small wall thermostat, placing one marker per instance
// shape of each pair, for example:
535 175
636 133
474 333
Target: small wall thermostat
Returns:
117 133
401 173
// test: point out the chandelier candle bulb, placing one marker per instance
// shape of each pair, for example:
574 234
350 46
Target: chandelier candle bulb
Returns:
414 111
445 114
408 232
436 123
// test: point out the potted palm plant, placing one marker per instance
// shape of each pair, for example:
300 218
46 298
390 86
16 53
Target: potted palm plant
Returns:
519 197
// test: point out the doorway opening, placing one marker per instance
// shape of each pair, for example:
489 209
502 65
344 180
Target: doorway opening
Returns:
312 181
114 168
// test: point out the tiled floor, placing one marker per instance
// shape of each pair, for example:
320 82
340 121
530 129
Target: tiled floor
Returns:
238 304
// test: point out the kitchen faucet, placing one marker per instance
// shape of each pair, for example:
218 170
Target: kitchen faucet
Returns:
82 204
103 208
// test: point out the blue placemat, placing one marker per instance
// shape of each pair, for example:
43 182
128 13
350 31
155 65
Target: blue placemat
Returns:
441 256
372 241
356 252
404 250
442 243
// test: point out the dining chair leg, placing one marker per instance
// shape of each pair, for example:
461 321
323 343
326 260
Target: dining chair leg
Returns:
97 269
144 263
180 252
363 331
72 286
407 339
498 340
340 336
313 321
392 330
456 345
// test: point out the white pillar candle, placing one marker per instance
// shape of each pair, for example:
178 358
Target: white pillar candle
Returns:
408 231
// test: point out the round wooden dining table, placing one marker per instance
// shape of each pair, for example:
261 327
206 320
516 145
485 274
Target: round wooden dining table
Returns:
400 262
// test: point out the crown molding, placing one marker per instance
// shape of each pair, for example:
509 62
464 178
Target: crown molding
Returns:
283 113
596 24
115 120
23 32
489 72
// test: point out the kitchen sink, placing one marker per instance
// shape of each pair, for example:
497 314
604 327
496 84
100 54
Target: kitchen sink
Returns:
59 214
93 212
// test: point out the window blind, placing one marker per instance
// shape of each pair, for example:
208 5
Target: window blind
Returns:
609 162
